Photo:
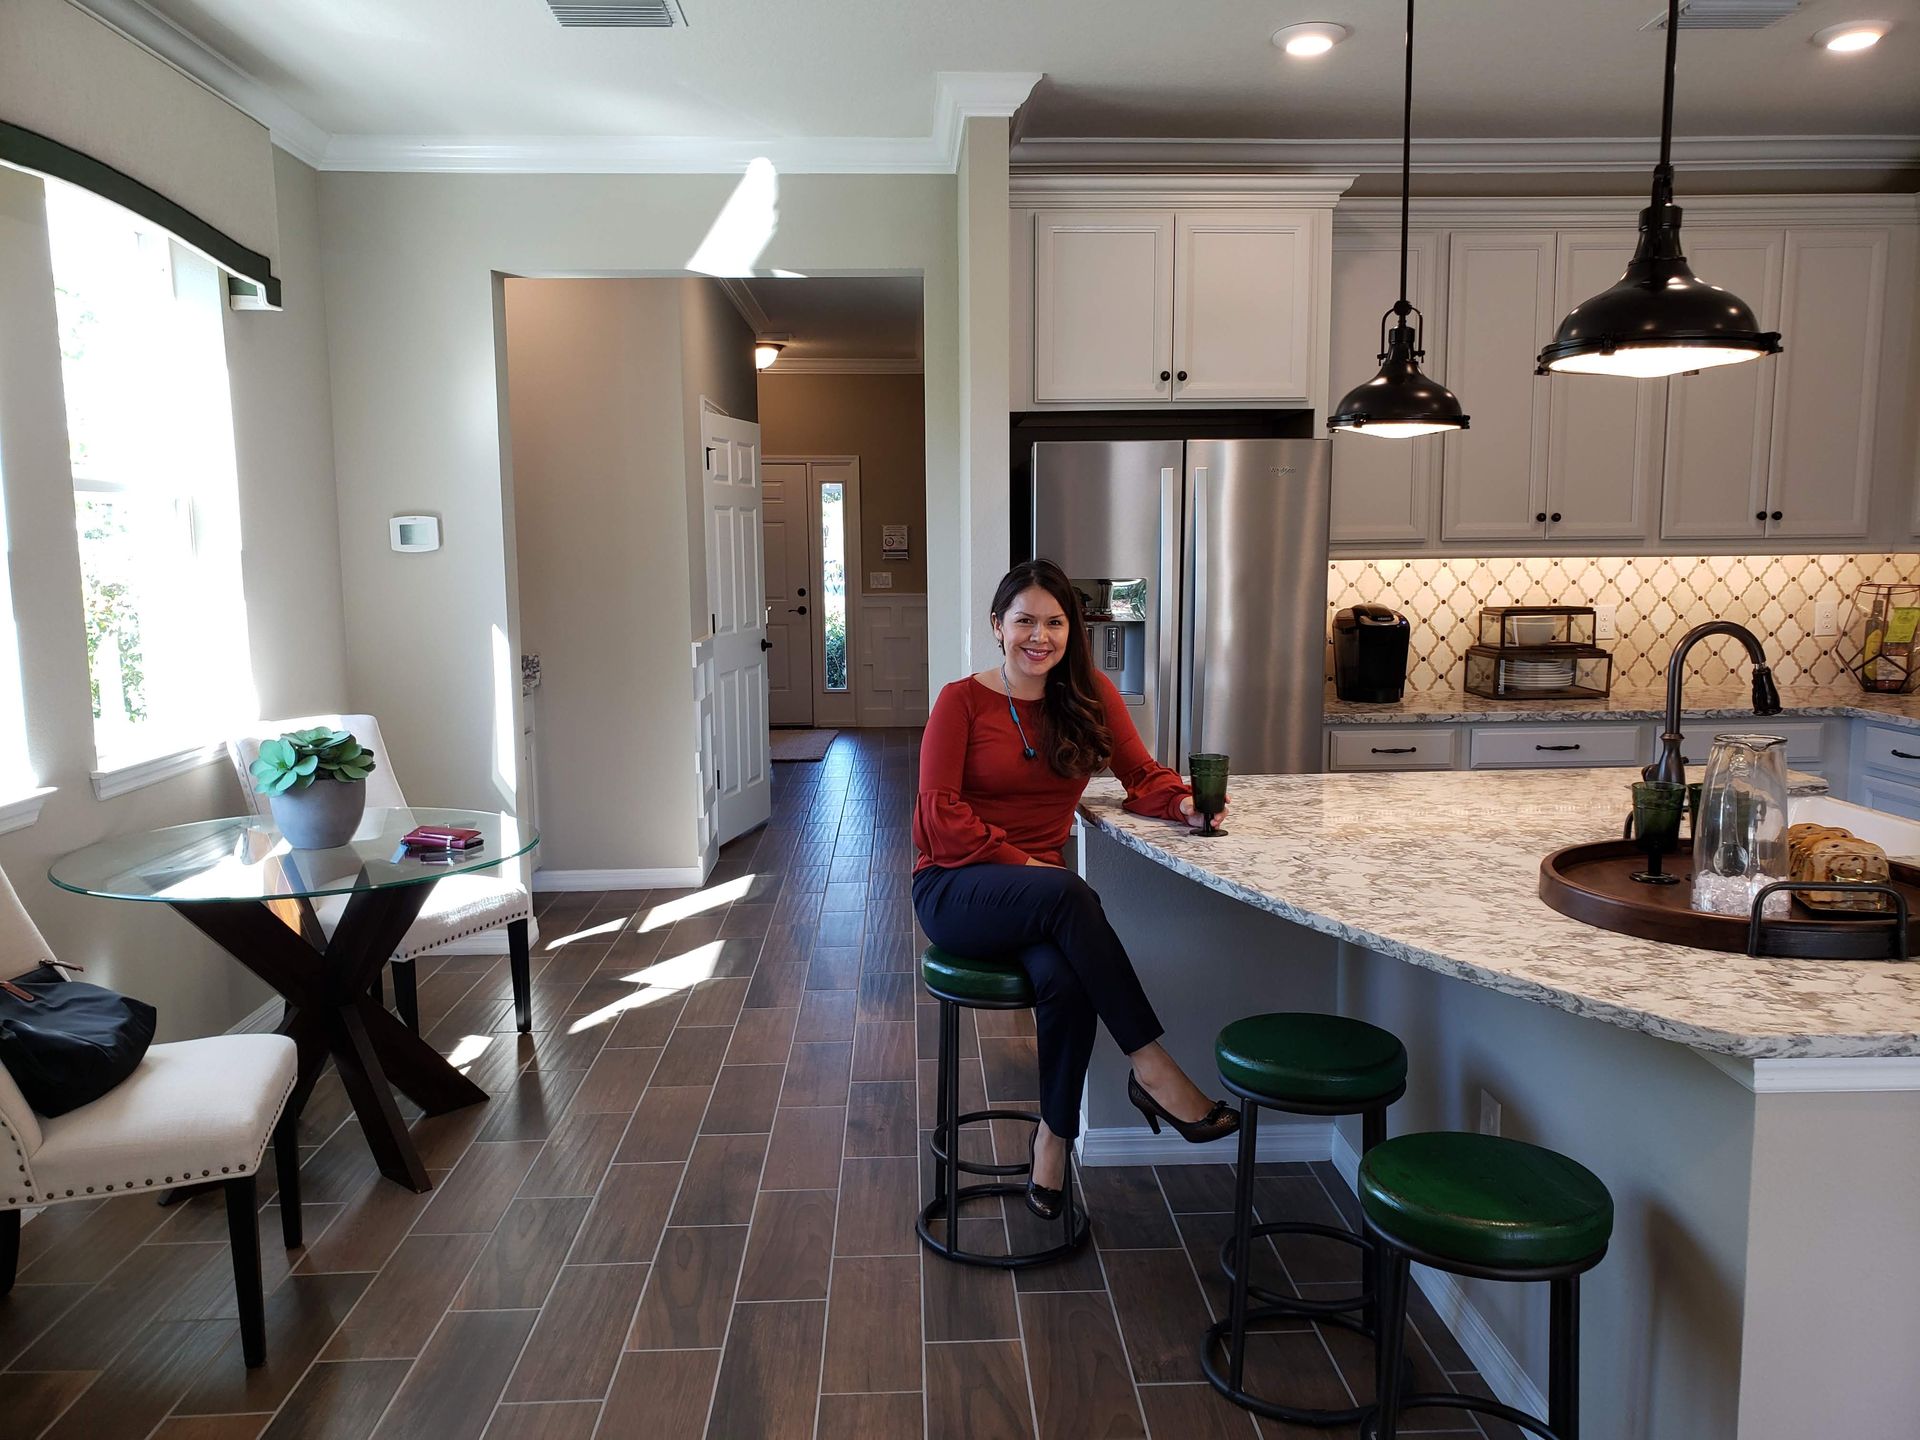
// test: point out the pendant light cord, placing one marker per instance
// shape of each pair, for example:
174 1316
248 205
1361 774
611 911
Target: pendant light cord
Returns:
1406 155
1663 172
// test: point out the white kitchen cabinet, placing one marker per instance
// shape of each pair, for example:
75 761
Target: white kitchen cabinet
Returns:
1834 297
1555 746
1102 298
1242 305
1382 489
1719 421
1499 314
1604 433
1383 747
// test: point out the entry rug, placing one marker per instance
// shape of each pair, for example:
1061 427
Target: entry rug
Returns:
802 744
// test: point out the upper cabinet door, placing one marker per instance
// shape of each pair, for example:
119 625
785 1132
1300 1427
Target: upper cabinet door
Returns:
1242 304
1102 292
1833 304
1499 314
1719 420
1604 434
1382 489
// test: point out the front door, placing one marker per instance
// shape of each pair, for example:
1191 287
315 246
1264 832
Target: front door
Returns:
784 527
736 590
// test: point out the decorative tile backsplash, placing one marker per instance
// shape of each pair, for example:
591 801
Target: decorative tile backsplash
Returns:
1655 599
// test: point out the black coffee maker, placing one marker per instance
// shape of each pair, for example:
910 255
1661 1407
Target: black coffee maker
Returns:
1369 654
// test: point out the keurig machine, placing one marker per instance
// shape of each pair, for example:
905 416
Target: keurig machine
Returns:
1370 654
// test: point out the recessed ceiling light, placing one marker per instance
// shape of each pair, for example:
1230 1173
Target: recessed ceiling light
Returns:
1856 35
1316 37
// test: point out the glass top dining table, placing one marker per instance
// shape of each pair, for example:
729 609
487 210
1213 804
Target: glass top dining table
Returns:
246 858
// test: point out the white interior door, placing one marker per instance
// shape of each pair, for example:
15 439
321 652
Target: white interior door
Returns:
736 591
784 524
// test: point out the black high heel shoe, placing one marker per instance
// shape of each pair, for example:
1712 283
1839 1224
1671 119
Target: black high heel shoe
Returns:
1042 1201
1218 1123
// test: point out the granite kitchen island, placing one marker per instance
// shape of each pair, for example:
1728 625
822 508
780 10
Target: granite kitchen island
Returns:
1757 1120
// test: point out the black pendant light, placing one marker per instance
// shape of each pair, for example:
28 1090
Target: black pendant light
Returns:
1400 402
1658 318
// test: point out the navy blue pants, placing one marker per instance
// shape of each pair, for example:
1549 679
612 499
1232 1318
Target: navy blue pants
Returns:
1053 922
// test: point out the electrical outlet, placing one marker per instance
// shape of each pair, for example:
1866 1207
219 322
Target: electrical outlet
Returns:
1826 617
1489 1113
1603 626
880 579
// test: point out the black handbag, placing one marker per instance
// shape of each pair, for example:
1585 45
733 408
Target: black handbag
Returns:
66 1043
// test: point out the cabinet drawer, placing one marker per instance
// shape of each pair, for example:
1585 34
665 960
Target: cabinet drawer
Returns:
1375 747
1542 747
1890 751
1890 796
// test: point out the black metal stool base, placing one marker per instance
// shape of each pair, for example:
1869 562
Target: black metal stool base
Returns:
1077 1231
1217 1349
1293 1304
1473 1404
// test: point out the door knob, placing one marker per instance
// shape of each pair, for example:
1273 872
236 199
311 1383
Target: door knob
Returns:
765 644
796 609
801 592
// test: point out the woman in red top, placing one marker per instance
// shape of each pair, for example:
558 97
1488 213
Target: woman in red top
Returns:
1006 757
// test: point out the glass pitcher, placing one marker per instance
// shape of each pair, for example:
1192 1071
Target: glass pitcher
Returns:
1740 829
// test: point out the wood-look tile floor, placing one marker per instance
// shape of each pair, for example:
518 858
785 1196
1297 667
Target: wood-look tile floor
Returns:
686 1211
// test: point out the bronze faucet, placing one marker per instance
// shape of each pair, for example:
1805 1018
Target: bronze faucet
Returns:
1670 764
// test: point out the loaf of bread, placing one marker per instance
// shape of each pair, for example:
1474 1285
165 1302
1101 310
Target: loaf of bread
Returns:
1831 852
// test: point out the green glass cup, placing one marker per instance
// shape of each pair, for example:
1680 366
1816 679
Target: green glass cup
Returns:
1657 807
1208 774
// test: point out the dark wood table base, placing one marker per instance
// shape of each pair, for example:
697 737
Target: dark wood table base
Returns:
331 1014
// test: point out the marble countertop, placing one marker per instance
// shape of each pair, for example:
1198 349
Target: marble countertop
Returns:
1628 702
1440 869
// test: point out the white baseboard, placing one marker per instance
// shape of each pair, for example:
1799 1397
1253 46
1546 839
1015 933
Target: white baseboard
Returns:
1510 1384
661 878
1137 1145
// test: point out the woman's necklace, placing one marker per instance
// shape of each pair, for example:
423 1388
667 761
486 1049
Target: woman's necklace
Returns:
1026 748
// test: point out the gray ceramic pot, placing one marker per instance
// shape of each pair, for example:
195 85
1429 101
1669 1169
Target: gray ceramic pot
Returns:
323 815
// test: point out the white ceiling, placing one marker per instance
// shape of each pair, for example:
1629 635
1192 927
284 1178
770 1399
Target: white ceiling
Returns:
838 319
777 70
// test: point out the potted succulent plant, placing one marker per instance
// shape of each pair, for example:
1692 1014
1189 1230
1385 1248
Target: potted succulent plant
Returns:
316 783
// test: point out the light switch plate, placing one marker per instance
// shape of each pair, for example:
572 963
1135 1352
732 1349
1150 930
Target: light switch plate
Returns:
1826 617
880 579
1603 626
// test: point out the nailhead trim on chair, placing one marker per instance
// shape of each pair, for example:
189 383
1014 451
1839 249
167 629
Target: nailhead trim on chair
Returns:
463 934
15 1202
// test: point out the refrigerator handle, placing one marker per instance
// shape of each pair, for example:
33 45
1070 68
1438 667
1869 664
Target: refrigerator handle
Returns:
1167 591
1196 658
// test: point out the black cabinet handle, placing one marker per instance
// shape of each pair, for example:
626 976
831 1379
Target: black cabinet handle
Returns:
1555 517
1409 749
1166 375
1775 515
1556 747
1541 518
1181 376
1903 755
1759 514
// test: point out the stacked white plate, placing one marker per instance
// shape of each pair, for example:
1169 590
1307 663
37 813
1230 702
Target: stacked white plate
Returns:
1536 674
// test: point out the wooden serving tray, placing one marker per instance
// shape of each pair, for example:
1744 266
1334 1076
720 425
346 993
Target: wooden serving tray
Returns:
1591 883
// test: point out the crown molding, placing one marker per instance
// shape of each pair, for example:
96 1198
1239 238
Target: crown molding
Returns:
744 302
1028 189
1558 212
1529 155
213 71
834 365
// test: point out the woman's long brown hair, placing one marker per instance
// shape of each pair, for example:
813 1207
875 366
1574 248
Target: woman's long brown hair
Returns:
1078 742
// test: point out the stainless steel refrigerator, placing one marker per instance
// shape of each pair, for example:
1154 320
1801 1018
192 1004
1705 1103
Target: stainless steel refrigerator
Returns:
1202 566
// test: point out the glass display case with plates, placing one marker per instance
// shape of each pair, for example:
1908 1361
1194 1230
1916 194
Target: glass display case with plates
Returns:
1538 652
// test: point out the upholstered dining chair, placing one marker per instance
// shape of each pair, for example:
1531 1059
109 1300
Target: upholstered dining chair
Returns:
193 1112
459 905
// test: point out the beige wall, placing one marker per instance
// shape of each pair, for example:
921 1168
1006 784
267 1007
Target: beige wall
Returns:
600 515
983 523
881 419
716 362
290 535
410 263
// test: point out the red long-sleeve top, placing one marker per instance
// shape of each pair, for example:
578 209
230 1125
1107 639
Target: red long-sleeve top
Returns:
982 802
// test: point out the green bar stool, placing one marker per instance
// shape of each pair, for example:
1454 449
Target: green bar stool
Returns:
1302 1064
1496 1209
992 984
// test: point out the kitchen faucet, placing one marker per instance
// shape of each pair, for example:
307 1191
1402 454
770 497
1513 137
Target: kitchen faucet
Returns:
1669 764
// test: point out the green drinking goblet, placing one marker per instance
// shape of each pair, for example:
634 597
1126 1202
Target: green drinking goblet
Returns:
1208 774
1657 806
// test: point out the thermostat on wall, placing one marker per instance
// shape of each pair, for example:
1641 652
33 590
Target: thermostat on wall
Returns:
413 534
